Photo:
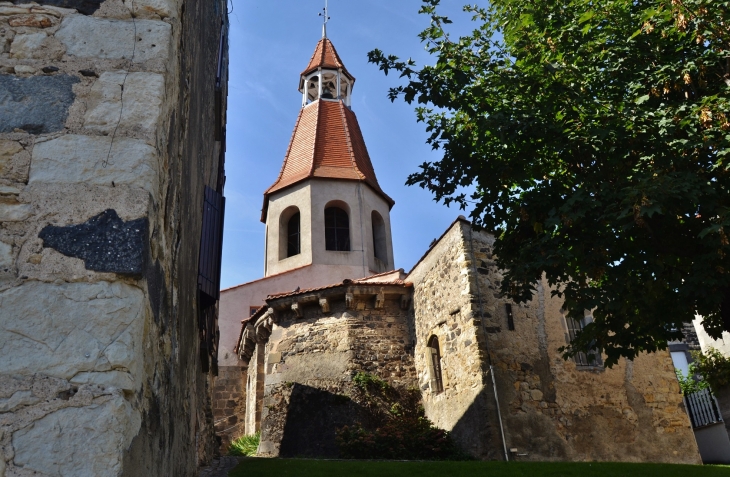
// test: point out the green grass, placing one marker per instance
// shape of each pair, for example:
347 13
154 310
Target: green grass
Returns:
321 468
245 446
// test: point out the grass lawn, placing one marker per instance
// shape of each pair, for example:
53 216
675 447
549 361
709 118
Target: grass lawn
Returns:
255 467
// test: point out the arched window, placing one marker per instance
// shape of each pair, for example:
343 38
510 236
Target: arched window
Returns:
433 361
336 229
379 243
290 233
293 235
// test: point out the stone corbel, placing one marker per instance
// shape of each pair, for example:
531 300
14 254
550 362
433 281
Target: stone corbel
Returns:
325 304
349 300
380 300
296 309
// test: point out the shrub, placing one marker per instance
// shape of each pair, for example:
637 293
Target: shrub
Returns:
394 426
399 438
690 384
245 445
713 367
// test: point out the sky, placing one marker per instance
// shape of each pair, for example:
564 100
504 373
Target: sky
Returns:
271 42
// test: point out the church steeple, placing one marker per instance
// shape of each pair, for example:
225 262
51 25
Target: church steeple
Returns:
326 207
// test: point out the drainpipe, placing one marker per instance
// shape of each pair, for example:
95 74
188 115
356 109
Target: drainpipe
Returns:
486 343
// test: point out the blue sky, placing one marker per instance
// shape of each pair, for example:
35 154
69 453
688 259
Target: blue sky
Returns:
270 44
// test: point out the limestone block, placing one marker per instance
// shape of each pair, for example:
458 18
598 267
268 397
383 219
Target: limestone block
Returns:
6 255
142 102
20 398
73 158
8 150
88 37
32 20
15 212
8 190
163 8
27 46
83 442
117 379
86 7
24 70
63 329
37 105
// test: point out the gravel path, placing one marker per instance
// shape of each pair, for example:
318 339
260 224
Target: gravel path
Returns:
220 467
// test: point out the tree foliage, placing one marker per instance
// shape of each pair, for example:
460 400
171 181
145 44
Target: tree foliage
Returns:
714 368
595 134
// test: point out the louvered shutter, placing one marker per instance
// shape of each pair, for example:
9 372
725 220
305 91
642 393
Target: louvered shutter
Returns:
211 244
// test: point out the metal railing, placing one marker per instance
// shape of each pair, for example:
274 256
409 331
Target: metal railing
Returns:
702 408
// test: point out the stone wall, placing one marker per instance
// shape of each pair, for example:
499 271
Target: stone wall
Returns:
229 404
551 409
318 346
107 139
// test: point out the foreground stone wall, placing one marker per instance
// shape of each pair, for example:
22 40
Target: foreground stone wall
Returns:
107 139
551 408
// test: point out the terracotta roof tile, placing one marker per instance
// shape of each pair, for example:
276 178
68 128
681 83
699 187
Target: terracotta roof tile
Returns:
326 143
325 56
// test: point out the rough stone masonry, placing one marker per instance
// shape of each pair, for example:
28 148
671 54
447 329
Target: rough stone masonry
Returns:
112 117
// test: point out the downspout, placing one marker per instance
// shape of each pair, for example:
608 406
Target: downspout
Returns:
486 342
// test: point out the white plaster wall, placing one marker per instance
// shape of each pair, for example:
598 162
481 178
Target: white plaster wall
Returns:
361 200
311 197
298 196
722 345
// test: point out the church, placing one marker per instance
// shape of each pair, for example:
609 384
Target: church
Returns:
331 305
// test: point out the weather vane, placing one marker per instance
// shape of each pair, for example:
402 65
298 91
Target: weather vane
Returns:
325 18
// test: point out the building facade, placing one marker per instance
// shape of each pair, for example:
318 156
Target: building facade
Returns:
488 369
112 140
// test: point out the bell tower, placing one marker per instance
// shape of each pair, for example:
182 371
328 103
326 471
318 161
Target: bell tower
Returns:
326 209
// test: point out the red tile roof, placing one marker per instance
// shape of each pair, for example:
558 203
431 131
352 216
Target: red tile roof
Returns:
325 56
326 143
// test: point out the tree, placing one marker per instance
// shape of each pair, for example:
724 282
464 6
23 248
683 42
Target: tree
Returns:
595 134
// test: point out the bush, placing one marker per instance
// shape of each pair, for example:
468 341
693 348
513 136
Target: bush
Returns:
245 446
713 367
690 384
399 438
394 426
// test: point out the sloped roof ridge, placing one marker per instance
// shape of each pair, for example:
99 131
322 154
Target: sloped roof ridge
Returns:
348 139
288 149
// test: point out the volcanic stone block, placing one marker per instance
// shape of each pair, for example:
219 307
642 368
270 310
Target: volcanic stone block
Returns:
87 7
105 243
37 105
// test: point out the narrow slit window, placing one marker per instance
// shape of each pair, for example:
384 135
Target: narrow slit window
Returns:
379 238
293 232
510 317
434 353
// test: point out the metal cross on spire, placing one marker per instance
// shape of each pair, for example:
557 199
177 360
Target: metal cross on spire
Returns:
325 18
